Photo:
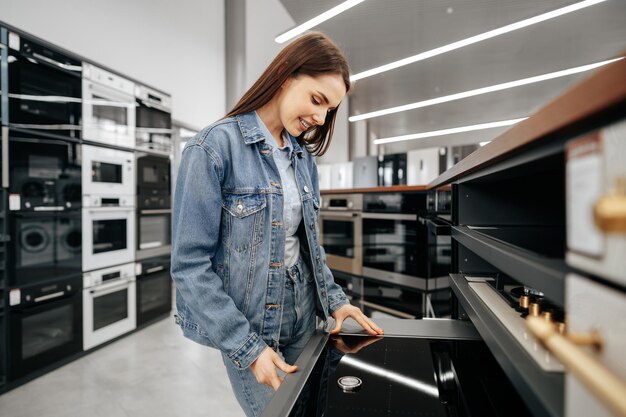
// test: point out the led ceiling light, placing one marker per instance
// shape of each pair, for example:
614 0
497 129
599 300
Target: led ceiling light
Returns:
477 38
479 91
448 131
329 14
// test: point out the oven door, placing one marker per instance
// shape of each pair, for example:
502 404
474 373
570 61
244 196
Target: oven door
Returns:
154 129
109 311
45 174
153 181
44 90
154 290
108 115
108 172
109 237
340 235
46 246
45 330
153 233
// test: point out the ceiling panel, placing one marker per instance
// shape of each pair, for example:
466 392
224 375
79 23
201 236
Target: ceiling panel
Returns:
379 31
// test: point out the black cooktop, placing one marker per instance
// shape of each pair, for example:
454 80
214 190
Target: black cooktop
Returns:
400 376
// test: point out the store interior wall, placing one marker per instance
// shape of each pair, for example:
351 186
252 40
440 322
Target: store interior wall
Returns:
177 47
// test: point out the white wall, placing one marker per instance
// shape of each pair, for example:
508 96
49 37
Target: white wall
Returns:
177 47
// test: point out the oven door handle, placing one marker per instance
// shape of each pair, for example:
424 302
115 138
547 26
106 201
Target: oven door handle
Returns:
76 68
156 211
104 290
155 269
5 157
344 215
390 216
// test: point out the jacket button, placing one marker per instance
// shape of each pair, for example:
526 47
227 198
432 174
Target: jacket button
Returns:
240 208
306 189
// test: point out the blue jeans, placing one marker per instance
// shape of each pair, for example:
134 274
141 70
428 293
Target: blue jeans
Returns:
297 327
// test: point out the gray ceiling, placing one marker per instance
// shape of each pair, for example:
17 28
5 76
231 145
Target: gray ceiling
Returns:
377 32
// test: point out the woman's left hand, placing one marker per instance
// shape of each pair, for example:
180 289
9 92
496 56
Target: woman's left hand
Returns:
349 310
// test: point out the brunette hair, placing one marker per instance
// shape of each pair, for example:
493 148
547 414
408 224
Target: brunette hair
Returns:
312 54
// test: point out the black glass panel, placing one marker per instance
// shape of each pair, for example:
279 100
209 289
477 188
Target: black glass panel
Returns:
154 293
153 118
338 238
109 235
390 245
109 115
105 172
47 330
407 377
110 308
154 231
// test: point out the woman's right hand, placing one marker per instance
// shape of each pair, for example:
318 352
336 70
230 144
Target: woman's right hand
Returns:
264 368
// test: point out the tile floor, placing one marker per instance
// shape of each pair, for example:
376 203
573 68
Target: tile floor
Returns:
154 372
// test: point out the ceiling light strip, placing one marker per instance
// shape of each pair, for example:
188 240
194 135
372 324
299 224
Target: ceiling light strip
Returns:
479 91
477 38
329 14
448 131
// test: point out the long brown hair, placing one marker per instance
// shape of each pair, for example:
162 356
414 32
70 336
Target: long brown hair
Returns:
312 54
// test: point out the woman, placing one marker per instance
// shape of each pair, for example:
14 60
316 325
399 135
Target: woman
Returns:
250 275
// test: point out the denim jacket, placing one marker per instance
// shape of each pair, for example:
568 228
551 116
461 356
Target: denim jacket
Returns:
229 241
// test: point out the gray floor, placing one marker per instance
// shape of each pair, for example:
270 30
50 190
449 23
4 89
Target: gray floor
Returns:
154 372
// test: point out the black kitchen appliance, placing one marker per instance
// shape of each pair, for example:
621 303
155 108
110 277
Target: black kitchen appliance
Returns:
44 88
45 324
392 170
154 289
154 120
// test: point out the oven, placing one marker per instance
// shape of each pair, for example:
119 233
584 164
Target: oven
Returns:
108 107
341 232
44 88
109 173
154 289
596 203
45 174
153 181
46 246
153 120
109 304
109 234
45 325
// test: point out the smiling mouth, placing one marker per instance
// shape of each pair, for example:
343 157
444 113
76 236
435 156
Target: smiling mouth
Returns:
304 125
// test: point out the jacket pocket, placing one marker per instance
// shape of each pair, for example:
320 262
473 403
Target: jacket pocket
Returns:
242 220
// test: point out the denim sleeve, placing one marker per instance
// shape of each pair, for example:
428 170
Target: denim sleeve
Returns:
195 238
336 296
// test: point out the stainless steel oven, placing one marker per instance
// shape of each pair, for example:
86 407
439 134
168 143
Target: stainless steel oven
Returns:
108 107
109 234
45 246
109 304
45 174
45 325
154 289
154 120
44 88
109 173
341 232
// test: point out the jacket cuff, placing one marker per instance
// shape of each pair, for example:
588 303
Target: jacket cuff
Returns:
336 301
248 351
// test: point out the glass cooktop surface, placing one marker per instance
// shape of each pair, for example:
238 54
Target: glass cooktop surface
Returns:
398 376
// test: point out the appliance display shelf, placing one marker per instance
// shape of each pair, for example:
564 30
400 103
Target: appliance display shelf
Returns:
542 391
530 268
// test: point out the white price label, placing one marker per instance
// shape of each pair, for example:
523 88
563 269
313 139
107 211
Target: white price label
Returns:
14 41
15 201
15 297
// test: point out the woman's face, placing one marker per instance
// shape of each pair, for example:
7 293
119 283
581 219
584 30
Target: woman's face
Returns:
304 101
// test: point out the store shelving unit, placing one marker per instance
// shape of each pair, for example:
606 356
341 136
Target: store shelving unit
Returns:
509 225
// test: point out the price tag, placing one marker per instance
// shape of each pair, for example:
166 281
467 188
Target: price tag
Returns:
15 297
14 41
15 201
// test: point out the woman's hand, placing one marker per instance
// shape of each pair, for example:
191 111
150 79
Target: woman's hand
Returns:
264 368
349 310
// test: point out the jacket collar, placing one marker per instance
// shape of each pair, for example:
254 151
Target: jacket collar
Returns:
252 133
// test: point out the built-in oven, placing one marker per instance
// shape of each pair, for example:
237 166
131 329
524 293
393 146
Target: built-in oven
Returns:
153 232
341 232
109 233
108 107
45 325
154 120
107 172
45 174
45 246
44 88
154 289
153 181
109 304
